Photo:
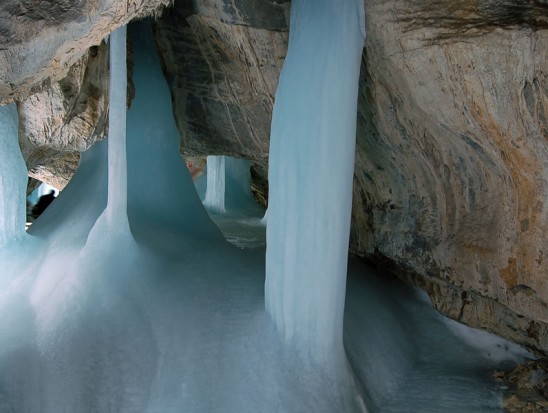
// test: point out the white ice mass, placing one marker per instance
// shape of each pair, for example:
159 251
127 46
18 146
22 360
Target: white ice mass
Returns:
154 311
310 175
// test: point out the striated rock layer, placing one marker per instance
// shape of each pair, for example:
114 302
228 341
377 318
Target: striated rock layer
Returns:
65 118
222 61
40 41
451 172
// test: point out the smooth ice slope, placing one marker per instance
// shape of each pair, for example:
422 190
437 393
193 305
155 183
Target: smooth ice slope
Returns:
310 174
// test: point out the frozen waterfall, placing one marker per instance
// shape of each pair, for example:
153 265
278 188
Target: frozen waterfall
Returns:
117 163
310 175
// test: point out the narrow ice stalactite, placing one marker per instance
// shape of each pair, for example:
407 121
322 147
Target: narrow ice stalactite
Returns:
310 177
215 192
13 178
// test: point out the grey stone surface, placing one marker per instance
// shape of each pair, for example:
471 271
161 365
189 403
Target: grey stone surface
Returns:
451 169
41 40
222 60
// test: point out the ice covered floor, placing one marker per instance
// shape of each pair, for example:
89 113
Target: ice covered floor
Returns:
188 332
408 357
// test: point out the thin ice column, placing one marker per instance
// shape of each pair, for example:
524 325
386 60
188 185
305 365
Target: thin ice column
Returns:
13 178
112 226
117 161
310 177
215 191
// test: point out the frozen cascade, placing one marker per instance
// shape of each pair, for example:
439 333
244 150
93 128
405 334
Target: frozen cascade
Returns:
13 179
229 187
310 175
215 192
178 323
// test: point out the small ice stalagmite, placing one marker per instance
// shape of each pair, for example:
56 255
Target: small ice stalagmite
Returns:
117 163
215 192
310 177
13 178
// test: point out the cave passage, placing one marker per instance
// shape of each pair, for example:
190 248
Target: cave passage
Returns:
154 311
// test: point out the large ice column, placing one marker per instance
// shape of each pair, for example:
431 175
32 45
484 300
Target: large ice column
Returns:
215 192
161 194
13 178
310 177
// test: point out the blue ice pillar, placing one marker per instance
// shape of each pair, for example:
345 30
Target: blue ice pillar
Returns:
310 174
117 162
215 191
161 196
13 178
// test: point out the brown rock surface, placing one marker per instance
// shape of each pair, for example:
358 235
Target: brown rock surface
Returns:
40 41
222 61
526 388
451 168
65 118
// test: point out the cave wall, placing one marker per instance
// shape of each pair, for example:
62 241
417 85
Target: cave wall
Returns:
451 168
40 41
450 171
222 60
54 63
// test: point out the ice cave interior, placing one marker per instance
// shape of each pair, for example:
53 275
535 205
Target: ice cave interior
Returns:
130 294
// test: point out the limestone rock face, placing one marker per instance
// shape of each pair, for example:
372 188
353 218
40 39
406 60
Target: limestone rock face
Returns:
222 61
451 176
65 118
40 41
70 114
526 387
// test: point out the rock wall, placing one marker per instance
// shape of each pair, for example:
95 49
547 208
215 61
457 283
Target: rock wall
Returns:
222 61
451 171
65 118
40 41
